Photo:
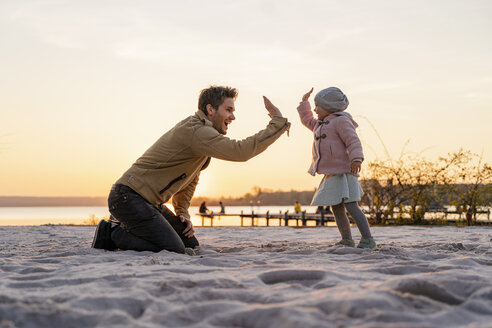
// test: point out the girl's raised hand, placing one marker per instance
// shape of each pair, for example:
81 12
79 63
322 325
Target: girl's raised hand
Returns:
306 96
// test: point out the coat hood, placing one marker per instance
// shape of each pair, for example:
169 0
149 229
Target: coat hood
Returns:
333 115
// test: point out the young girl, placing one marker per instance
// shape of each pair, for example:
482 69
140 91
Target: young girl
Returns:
337 153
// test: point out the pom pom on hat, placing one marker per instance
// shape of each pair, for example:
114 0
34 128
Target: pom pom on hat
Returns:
331 99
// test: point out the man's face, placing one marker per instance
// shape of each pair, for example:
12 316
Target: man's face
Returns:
222 116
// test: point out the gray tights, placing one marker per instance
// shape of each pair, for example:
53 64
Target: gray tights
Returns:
343 222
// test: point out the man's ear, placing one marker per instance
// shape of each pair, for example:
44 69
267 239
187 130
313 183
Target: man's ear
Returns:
210 110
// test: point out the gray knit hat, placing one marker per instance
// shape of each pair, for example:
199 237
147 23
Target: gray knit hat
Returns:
331 99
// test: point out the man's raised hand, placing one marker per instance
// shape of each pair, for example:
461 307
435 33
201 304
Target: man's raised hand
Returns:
272 110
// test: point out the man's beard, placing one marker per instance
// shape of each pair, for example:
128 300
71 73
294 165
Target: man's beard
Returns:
217 124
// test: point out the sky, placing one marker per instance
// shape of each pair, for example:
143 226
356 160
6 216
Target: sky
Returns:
87 86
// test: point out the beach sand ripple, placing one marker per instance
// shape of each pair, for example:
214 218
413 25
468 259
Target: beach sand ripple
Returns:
249 277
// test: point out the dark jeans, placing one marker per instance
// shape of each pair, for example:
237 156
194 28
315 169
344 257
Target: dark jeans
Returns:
145 227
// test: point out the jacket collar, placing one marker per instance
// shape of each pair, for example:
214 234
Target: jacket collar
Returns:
336 114
201 115
333 115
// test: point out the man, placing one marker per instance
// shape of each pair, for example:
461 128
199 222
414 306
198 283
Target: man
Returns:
170 169
203 208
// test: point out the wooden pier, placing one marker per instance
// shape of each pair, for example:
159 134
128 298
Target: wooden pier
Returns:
300 218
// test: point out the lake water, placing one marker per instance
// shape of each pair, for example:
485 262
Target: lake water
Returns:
19 216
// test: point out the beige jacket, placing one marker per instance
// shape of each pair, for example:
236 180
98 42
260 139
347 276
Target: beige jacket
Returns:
171 167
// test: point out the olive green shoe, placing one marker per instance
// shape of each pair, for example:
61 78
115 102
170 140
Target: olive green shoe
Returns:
346 242
367 243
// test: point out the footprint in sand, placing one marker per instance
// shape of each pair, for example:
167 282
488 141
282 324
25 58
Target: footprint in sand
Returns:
304 277
427 289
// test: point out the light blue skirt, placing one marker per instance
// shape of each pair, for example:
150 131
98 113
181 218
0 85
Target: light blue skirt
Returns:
335 189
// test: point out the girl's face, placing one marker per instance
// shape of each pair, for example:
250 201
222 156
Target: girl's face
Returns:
322 113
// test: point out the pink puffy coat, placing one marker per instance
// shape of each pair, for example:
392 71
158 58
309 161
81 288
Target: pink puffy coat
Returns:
336 143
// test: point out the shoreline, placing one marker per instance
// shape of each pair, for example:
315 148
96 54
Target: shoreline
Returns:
35 216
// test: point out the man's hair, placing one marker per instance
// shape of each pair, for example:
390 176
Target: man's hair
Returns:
215 95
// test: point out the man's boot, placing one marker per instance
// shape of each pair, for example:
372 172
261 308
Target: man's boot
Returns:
102 235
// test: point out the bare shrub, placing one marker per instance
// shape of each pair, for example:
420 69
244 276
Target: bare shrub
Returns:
407 188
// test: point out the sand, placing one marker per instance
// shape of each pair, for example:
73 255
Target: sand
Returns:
249 277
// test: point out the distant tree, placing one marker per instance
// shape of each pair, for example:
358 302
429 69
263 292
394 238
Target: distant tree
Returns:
257 191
